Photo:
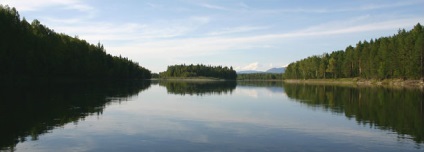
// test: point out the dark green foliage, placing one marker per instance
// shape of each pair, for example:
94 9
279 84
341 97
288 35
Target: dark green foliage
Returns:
398 56
155 75
199 70
33 51
259 76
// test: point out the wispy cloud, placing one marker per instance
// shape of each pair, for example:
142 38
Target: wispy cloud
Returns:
154 5
240 7
169 49
216 7
251 66
106 31
333 29
366 7
25 5
239 29
243 5
385 6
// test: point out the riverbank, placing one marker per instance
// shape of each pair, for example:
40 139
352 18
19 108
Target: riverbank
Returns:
399 83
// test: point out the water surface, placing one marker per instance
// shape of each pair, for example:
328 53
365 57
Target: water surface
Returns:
210 116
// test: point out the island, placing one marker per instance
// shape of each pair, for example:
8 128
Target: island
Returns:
198 71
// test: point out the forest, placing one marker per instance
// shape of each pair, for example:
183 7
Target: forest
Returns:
30 51
398 56
199 70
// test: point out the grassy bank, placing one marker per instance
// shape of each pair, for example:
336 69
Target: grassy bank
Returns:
363 82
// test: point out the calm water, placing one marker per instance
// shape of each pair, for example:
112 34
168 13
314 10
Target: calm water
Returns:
209 116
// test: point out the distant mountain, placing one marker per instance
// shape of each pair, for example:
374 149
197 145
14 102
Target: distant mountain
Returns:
249 72
276 70
272 70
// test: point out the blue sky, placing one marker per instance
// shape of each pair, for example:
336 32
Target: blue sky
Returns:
245 34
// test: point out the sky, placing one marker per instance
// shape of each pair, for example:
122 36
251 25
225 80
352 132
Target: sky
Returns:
244 34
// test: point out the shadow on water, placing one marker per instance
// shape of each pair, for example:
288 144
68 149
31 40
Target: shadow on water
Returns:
398 110
30 110
198 87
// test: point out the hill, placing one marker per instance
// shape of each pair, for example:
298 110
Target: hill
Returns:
276 70
272 70
249 72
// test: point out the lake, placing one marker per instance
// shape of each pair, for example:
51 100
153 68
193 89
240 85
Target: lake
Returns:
209 116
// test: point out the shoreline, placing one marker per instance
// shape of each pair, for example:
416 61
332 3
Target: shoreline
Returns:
390 83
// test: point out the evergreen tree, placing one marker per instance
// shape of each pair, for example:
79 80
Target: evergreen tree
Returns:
419 52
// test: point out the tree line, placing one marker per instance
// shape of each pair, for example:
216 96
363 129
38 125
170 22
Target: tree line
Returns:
397 56
199 70
33 51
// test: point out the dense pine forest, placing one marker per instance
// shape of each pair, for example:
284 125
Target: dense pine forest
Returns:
397 56
199 70
33 51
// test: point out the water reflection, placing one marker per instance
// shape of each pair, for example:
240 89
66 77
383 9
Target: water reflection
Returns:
198 87
30 110
210 116
266 84
275 87
398 110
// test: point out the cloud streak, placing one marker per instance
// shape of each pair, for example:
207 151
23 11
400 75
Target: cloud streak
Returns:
251 66
240 29
215 7
25 5
193 45
366 7
169 49
105 31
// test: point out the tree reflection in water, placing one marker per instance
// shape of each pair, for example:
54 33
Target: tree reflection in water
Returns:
30 110
199 87
398 110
